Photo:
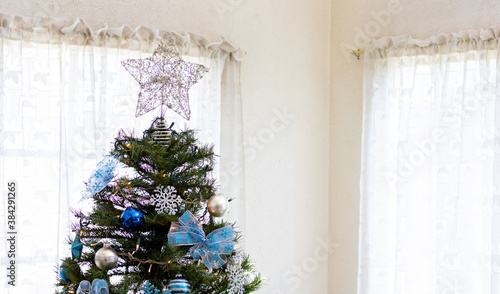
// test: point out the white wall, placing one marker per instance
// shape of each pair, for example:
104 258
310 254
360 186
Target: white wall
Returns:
286 69
352 23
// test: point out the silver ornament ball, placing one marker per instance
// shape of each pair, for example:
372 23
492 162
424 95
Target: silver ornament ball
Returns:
217 205
106 258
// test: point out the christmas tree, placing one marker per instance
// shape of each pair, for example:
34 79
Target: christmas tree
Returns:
155 226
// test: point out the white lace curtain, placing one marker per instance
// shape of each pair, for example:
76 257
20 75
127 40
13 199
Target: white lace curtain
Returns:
430 182
63 98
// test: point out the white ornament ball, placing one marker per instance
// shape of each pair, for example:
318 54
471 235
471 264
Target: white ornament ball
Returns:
106 258
217 205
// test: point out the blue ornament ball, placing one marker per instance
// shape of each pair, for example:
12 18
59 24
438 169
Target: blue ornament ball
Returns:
62 274
132 218
179 285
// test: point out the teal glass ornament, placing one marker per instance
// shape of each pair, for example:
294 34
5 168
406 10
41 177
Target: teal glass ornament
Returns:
62 274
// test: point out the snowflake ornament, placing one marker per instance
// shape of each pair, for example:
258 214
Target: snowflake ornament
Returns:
149 288
237 280
166 200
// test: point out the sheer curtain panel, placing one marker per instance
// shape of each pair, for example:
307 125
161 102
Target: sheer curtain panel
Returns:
430 179
63 98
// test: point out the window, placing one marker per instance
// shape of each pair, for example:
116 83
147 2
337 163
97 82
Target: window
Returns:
430 221
63 98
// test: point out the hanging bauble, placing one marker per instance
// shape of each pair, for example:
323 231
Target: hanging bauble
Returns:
106 258
179 285
99 286
84 287
63 274
69 271
162 133
217 205
132 218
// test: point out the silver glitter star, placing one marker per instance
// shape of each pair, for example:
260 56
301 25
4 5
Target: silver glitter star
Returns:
164 79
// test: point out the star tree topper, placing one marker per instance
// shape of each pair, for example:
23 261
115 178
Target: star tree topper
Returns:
164 79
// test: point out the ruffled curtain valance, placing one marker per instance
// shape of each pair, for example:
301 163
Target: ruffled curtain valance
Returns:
445 42
59 30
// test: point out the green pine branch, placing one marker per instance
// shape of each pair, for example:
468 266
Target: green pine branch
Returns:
182 163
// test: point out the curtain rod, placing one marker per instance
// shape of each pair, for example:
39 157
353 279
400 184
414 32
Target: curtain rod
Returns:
357 53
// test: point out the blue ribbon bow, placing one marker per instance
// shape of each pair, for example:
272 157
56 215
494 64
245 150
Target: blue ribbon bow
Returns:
211 249
104 173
